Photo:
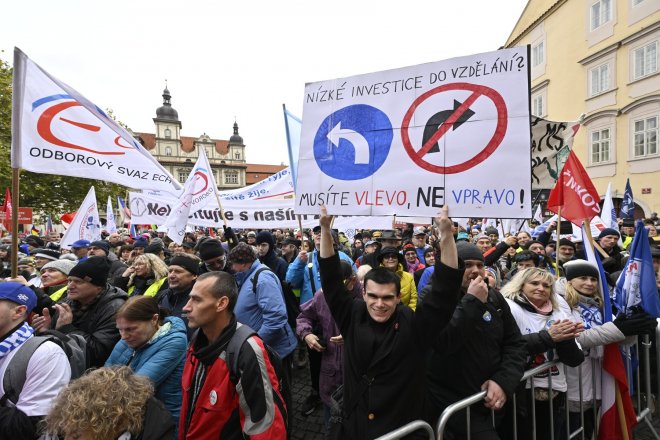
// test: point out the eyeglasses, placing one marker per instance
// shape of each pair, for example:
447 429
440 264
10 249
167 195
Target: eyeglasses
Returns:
390 257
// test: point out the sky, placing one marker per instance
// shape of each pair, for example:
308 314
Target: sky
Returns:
239 61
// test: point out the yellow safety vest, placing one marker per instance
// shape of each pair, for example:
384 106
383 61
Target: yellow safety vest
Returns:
55 296
152 290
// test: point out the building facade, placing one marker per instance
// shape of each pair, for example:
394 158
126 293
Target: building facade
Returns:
600 59
178 153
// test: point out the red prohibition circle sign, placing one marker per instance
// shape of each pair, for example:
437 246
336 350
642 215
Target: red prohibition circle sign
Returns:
491 146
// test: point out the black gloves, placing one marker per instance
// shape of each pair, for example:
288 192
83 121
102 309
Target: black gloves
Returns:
640 323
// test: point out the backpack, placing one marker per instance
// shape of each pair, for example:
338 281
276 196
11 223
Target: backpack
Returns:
73 345
282 398
291 302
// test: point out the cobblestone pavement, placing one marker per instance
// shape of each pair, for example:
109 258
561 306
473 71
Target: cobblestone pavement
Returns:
310 427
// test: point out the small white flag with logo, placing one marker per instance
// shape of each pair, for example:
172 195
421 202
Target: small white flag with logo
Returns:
199 187
110 224
86 225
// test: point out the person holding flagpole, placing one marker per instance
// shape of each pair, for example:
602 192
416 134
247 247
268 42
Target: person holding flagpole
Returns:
583 294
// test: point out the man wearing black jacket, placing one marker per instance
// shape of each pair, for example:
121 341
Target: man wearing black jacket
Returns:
480 349
386 343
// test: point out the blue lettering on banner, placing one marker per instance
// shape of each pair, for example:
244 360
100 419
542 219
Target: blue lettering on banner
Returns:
488 197
353 142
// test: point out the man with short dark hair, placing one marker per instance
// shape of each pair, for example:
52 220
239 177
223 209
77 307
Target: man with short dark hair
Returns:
385 343
47 372
213 405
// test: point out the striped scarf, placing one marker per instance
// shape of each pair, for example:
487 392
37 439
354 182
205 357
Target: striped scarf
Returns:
14 340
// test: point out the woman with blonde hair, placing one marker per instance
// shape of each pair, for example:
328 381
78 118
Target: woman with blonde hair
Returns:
548 328
109 403
146 276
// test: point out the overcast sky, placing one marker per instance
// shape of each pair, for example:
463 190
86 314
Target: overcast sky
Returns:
239 60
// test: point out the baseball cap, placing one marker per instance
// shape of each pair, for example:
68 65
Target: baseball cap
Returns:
419 231
19 294
80 244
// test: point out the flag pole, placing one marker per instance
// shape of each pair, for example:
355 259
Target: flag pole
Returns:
15 203
558 238
619 410
619 402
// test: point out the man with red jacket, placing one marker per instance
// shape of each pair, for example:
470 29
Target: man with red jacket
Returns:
213 406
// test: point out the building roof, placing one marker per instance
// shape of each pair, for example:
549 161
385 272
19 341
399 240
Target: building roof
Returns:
187 143
534 10
256 172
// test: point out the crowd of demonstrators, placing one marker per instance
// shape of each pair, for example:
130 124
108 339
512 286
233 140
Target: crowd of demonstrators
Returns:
408 322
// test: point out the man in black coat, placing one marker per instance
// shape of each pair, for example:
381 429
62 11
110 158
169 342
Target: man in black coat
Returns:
386 343
480 349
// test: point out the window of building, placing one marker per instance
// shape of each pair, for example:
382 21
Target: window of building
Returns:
237 155
646 60
168 133
600 146
601 13
183 175
538 54
231 177
168 151
645 136
599 79
538 106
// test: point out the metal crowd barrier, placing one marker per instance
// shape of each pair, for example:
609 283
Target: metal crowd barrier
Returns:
642 395
408 429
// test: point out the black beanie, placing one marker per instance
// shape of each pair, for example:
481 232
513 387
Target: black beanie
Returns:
531 242
608 231
266 237
189 264
580 268
93 270
468 251
211 249
105 245
566 242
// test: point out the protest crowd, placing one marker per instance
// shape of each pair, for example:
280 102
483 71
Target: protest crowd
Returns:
139 337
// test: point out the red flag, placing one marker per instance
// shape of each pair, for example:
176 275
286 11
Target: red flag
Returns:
67 217
615 398
575 193
7 208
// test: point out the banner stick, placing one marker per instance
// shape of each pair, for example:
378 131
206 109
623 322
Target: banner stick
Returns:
15 184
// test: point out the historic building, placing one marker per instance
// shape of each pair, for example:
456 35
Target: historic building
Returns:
178 153
600 58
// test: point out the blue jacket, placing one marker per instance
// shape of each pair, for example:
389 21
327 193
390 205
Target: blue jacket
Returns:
264 311
161 360
298 274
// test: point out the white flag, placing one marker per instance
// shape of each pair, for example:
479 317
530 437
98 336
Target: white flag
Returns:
199 187
86 224
607 213
538 215
110 224
56 130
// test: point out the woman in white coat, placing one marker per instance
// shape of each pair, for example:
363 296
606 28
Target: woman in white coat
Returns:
583 295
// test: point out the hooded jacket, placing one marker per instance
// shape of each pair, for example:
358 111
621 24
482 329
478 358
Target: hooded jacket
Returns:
161 359
298 274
